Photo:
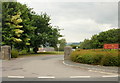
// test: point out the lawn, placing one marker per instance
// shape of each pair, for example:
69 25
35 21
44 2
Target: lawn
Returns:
42 53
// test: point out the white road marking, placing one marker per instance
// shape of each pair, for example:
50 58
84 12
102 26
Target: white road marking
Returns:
100 72
111 76
68 64
15 76
46 77
106 73
92 71
80 76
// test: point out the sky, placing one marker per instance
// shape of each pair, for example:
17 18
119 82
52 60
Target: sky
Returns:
79 20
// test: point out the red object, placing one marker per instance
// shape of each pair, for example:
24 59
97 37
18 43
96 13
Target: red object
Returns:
111 46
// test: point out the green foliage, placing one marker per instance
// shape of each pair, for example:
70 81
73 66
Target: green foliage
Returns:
97 41
99 57
24 29
109 60
86 44
44 33
62 43
74 46
14 53
15 19
24 51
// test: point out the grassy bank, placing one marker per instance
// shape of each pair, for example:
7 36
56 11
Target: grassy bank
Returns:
23 53
97 57
42 53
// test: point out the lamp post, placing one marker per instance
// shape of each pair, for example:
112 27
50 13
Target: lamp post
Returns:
58 46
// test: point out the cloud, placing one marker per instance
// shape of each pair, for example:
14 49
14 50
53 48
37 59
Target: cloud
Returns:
79 20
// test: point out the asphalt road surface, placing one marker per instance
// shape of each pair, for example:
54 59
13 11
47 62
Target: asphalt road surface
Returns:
49 68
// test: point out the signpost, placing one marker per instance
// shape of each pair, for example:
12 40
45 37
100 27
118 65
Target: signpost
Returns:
58 46
76 47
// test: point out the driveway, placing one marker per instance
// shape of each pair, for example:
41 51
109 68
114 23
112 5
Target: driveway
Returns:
50 67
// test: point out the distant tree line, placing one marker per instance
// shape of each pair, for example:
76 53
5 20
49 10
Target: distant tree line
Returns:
98 40
22 28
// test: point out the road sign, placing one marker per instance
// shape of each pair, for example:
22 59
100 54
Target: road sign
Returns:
58 45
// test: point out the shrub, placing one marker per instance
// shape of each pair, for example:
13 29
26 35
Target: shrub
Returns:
97 57
23 52
110 60
14 53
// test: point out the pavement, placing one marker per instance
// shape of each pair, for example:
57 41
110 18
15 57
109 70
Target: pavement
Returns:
54 68
110 69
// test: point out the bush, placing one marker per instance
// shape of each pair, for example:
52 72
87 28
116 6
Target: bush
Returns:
23 52
109 60
96 57
14 53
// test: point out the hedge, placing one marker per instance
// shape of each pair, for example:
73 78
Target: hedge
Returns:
97 57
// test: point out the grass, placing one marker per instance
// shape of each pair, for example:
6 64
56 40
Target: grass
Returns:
42 53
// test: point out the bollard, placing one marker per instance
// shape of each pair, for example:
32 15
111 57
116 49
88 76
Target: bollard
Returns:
67 52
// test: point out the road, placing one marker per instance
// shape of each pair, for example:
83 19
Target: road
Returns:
49 67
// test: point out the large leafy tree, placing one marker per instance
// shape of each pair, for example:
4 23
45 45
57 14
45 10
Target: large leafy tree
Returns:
12 30
23 28
16 24
44 34
97 41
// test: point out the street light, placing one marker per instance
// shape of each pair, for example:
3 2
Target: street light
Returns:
58 46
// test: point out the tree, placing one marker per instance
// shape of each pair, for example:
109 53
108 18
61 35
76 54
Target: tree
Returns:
14 30
24 29
97 41
62 43
44 34
86 44
16 20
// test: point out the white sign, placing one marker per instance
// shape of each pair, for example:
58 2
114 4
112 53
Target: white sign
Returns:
58 45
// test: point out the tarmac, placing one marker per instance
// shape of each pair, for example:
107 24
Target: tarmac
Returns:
110 69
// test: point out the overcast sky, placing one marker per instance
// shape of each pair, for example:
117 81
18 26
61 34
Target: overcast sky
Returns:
80 20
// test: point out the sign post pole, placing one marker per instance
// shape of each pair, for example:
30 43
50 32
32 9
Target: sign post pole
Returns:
58 46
